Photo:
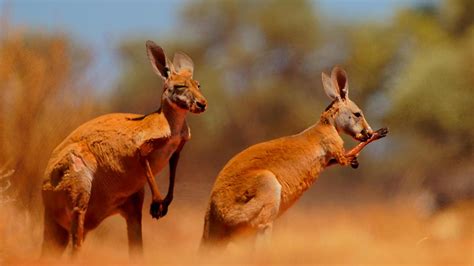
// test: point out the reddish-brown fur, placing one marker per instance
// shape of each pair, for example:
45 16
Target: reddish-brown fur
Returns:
101 168
262 182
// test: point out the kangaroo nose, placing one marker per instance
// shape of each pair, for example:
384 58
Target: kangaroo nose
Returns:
201 105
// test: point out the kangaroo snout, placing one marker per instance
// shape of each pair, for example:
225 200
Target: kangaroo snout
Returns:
199 106
364 135
367 133
202 105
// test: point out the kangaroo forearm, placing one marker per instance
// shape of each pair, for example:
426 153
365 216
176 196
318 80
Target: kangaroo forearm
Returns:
155 191
348 158
357 149
340 158
377 135
173 165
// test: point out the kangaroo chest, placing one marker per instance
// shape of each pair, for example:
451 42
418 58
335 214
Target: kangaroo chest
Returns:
111 191
160 156
299 175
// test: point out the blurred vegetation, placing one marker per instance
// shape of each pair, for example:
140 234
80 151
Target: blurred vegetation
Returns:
253 69
43 97
260 63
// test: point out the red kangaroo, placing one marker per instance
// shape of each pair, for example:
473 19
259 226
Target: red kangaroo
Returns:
260 183
101 168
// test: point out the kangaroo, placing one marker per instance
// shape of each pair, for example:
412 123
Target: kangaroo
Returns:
260 183
101 168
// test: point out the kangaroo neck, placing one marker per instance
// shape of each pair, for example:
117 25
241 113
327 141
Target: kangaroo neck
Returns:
325 127
175 116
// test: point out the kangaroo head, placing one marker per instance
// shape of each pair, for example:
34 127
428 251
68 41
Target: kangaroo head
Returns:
346 115
179 89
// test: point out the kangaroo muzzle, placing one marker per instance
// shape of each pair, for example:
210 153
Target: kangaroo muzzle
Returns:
365 134
199 106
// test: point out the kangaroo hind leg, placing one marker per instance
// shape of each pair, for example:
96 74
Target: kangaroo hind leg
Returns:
258 206
55 238
131 210
80 177
269 193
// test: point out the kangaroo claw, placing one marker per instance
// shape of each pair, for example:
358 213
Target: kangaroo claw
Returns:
354 163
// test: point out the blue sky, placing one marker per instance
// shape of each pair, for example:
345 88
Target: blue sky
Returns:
101 24
99 19
96 21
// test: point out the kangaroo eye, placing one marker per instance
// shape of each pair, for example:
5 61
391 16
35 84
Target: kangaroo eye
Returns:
357 114
179 86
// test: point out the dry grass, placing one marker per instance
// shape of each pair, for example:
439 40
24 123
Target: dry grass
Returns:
43 96
388 233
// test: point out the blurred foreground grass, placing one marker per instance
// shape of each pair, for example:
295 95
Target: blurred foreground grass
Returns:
368 233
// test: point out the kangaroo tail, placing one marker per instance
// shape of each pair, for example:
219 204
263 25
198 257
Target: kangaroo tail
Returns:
219 227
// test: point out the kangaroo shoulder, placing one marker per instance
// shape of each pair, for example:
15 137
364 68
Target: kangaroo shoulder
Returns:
152 127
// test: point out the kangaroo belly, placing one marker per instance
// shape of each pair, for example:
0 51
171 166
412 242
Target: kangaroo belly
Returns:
293 189
111 190
109 193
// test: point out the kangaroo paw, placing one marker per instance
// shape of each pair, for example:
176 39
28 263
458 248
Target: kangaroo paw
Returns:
159 209
381 133
354 163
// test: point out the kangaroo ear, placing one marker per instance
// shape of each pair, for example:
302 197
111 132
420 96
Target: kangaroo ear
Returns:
183 63
329 88
339 79
158 59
